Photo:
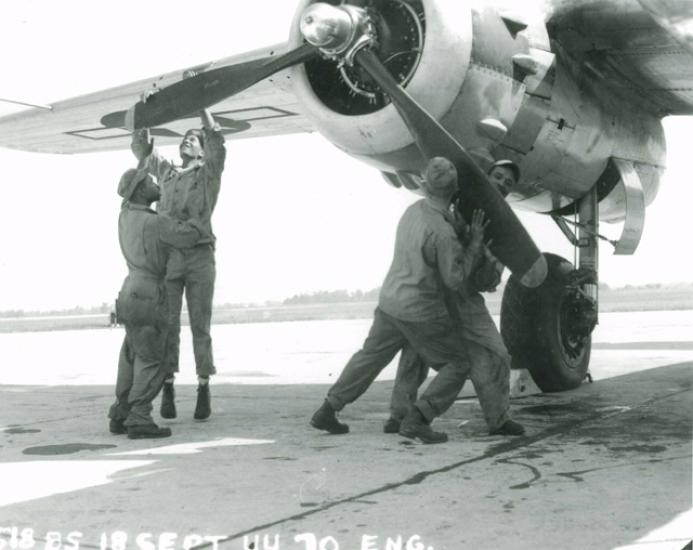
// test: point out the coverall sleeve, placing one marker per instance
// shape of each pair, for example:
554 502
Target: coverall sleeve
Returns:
454 262
179 234
140 145
157 165
215 157
148 156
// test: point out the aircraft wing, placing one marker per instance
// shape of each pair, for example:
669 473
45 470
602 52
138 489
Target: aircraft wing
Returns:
644 48
641 48
95 122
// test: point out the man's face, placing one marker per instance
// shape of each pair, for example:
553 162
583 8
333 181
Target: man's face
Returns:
190 147
503 178
442 177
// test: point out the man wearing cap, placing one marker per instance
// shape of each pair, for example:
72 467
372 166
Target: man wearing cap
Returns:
505 175
490 371
189 190
146 240
428 260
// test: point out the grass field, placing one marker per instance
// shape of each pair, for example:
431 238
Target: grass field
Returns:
625 299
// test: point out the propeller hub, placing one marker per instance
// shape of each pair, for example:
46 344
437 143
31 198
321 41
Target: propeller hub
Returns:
326 26
338 31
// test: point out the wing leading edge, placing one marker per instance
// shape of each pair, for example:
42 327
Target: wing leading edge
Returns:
95 122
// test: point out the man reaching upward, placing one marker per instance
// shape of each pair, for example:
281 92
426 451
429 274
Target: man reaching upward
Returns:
189 191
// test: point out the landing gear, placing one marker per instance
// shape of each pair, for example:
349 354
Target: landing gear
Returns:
548 330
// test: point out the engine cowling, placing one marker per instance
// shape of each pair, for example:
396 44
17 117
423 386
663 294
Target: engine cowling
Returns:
343 104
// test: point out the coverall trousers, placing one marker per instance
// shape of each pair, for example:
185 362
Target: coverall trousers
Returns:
192 271
141 374
490 374
436 341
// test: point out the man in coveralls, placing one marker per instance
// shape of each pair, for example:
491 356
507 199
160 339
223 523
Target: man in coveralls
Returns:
189 191
490 372
146 240
412 309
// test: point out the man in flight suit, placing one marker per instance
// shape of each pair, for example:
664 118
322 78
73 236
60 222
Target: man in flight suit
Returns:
189 191
146 240
490 371
412 310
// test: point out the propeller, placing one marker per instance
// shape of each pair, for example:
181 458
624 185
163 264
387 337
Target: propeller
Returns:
511 244
327 29
207 88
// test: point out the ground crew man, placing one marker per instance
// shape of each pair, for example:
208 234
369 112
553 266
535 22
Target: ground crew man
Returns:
490 372
146 240
189 190
412 310
505 175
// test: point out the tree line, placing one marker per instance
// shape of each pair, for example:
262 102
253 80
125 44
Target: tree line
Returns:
318 297
333 296
104 308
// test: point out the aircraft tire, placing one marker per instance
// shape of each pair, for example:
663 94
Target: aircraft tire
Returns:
538 330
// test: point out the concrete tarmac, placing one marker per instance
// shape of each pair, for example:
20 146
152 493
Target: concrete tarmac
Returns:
605 466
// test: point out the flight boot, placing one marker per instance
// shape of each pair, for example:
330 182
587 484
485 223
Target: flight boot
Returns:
116 427
147 431
168 404
392 425
509 427
325 418
203 407
414 426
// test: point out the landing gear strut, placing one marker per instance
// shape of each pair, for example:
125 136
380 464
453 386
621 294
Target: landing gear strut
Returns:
548 330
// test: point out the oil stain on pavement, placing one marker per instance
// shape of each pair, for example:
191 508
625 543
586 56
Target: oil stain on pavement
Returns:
21 430
64 449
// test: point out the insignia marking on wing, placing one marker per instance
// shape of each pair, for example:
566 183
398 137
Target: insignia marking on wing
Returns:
231 121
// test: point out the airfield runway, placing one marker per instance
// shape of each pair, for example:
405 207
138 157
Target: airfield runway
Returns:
605 466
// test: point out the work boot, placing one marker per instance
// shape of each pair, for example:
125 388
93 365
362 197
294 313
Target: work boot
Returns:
147 431
168 405
325 418
415 426
116 427
509 427
203 408
391 425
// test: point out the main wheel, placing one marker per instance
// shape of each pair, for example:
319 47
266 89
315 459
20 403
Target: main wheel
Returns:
547 330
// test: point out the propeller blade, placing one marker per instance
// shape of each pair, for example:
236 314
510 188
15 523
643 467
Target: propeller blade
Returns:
511 244
203 90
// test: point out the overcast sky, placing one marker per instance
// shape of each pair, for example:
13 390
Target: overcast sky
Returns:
294 214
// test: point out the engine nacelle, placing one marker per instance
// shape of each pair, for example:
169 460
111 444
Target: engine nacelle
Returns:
500 87
577 127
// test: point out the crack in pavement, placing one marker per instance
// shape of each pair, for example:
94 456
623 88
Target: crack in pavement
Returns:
492 452
535 471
